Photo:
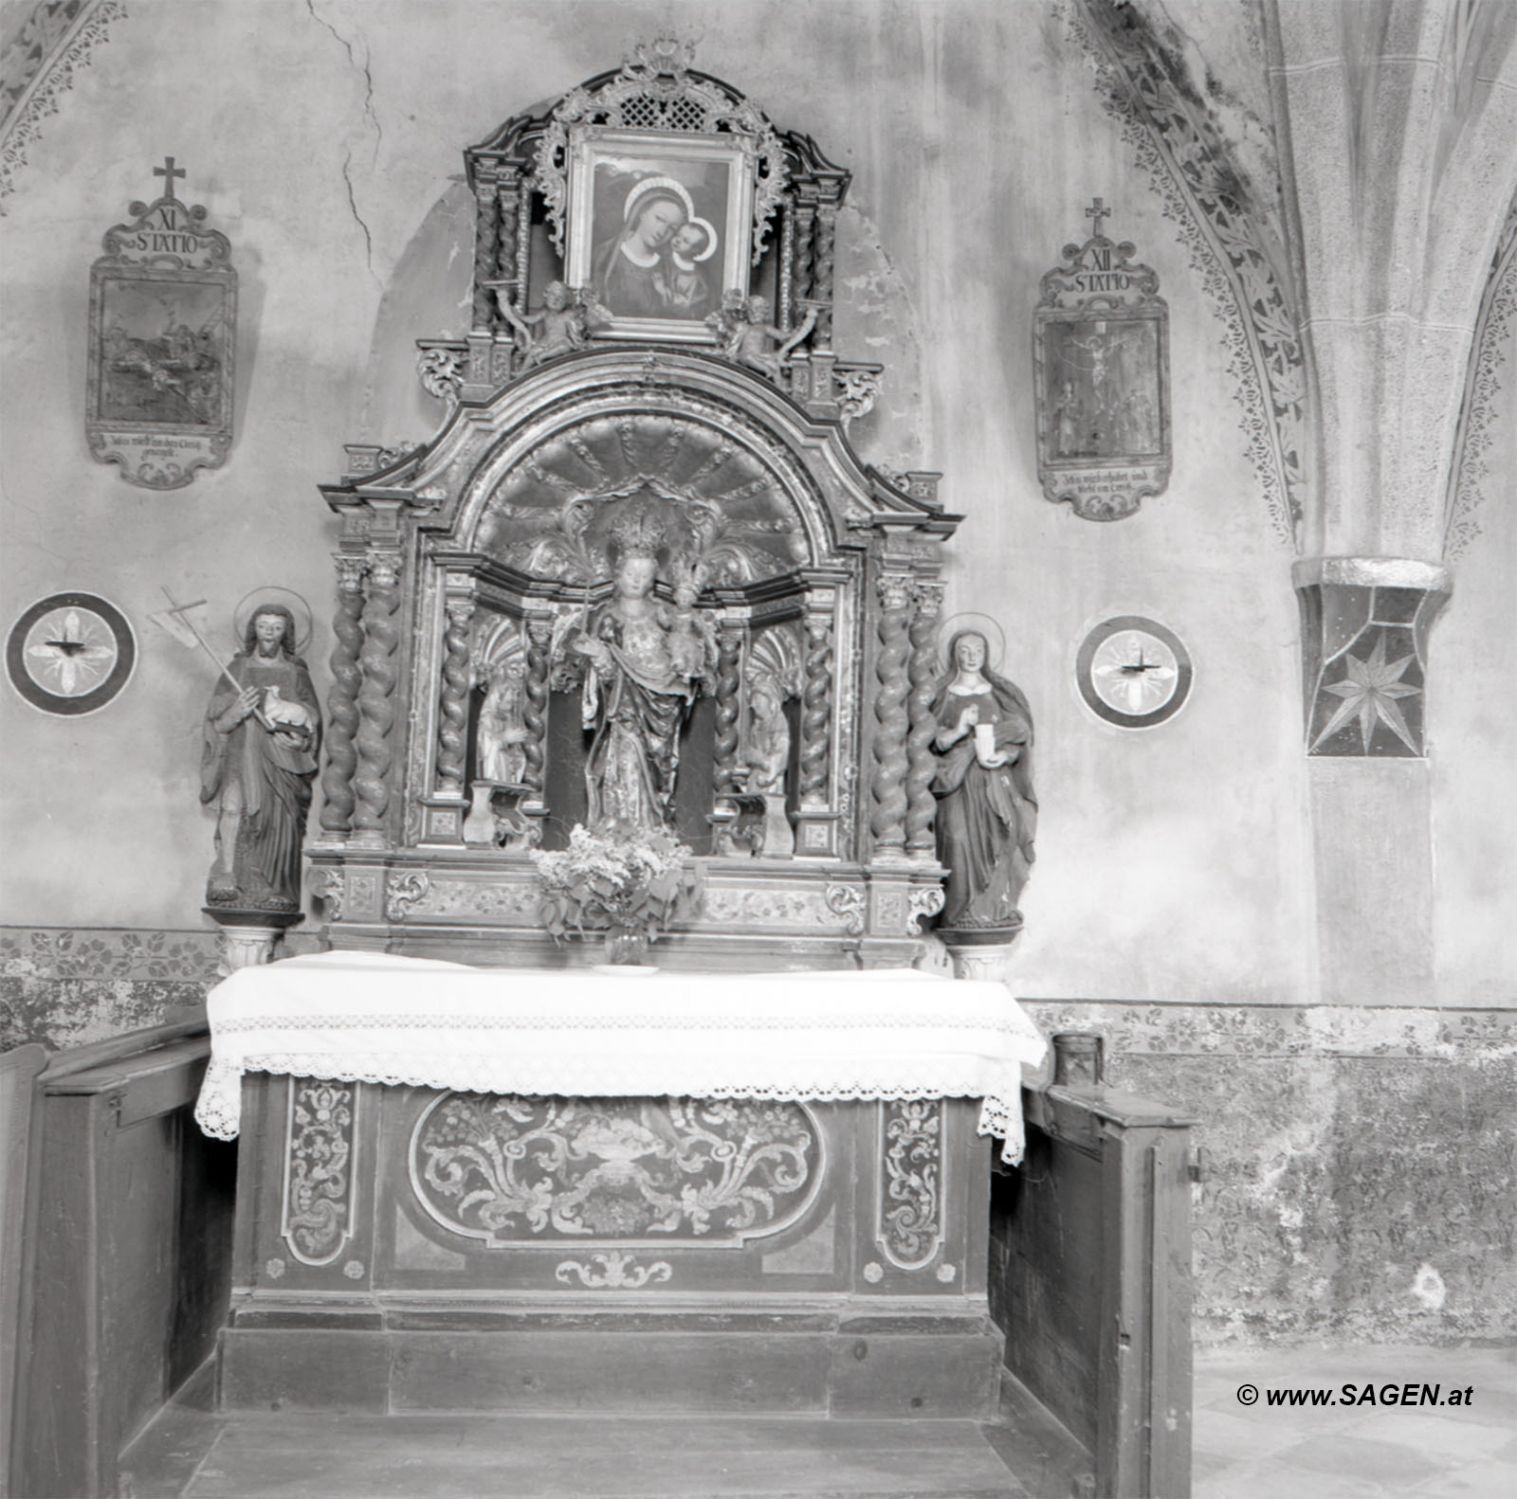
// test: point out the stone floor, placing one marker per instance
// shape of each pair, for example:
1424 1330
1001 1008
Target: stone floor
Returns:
1363 1452
1241 1451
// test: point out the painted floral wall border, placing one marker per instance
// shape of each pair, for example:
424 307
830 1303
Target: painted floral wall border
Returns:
1471 470
38 69
1187 161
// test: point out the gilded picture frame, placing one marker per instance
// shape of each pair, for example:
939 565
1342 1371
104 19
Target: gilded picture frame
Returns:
660 228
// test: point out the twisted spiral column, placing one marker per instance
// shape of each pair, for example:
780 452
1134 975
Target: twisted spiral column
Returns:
342 700
376 711
816 711
535 706
508 214
805 252
453 723
888 788
921 805
826 237
486 250
728 707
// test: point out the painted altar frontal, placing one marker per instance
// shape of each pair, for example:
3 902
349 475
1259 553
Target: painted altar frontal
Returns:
640 576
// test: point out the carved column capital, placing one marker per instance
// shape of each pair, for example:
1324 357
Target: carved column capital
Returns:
351 567
383 568
461 608
894 590
1365 623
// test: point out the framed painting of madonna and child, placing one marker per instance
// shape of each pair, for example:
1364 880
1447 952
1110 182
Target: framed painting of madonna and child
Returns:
660 225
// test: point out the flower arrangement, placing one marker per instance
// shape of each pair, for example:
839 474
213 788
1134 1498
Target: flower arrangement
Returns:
630 882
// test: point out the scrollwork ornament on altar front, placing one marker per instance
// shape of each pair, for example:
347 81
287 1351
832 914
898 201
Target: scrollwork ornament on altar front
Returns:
321 1145
405 890
910 1229
511 1170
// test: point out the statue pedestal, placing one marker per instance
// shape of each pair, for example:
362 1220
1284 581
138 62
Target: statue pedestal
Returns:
980 953
248 936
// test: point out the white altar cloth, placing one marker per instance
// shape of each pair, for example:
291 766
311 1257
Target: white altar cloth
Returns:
370 1017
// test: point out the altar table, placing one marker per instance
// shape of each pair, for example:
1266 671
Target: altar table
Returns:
464 1188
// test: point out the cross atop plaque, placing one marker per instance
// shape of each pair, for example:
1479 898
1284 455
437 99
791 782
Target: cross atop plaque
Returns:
1101 370
163 321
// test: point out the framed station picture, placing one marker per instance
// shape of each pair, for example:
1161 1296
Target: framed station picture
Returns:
660 226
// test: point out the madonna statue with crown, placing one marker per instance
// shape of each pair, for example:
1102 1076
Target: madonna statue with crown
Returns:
640 683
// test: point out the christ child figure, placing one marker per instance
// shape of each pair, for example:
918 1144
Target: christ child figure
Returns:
681 281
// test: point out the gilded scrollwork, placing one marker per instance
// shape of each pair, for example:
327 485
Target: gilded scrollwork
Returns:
403 891
848 902
656 90
911 1207
510 1170
320 1147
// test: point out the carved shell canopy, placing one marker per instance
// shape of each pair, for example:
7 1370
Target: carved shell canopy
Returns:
709 502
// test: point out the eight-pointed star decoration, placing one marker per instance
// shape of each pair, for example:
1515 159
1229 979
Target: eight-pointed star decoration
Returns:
1370 691
70 653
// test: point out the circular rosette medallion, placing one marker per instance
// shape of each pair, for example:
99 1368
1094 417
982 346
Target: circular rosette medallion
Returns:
70 653
509 1170
1133 672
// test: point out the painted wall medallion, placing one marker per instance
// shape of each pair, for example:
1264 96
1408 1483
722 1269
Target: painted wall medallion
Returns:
163 322
1101 374
70 653
1133 672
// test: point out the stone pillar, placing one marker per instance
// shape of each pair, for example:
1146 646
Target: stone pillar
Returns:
453 701
921 804
1365 623
376 710
888 802
342 700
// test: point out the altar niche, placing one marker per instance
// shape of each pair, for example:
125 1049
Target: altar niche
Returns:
639 572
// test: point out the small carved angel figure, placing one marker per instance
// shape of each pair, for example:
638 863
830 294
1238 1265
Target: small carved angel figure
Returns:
746 335
560 326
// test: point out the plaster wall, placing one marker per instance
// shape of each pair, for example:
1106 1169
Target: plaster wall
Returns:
324 140
1174 865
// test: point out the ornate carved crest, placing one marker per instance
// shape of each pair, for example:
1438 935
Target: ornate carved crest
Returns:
656 91
163 324
1101 367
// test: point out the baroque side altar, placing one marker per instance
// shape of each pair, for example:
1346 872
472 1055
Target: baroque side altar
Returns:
640 577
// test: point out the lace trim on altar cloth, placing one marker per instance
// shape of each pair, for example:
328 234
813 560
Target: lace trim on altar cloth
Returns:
219 1109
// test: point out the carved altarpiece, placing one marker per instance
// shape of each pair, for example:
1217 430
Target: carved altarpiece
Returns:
806 583
485 552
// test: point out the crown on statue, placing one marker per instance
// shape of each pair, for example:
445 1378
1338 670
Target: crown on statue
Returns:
638 535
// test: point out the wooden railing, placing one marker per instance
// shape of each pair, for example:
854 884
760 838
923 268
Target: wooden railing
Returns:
1090 1279
124 1278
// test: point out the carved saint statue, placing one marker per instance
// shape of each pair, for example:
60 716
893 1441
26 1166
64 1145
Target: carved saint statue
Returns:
501 738
636 696
987 813
262 728
767 752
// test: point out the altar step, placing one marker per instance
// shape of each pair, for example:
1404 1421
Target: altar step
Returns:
630 1361
251 1456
